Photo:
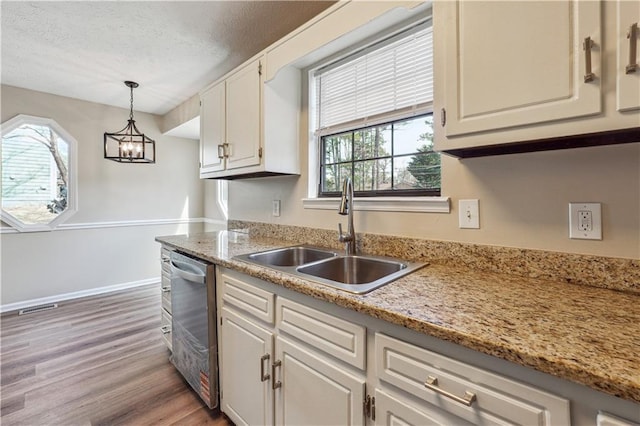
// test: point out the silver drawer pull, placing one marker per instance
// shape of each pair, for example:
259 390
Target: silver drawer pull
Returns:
264 376
632 35
166 329
468 398
166 289
587 46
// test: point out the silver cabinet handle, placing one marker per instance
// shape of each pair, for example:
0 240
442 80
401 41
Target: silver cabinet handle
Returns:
264 376
166 289
632 35
226 149
166 329
587 46
221 151
467 399
275 384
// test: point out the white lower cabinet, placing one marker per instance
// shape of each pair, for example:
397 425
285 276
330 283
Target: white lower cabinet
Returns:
297 383
470 394
287 359
312 389
245 352
397 411
165 288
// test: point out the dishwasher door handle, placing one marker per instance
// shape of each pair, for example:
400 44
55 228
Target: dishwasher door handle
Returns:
178 268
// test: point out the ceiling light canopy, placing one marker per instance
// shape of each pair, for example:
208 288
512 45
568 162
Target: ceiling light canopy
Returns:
129 145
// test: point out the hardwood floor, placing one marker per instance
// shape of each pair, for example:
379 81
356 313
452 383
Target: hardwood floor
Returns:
94 361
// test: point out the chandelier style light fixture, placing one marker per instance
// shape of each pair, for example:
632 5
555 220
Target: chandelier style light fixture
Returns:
129 145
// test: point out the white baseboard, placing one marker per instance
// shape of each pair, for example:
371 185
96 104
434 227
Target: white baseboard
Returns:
76 294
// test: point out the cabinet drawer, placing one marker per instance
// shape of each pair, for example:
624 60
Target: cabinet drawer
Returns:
166 296
249 298
342 339
165 328
497 399
165 257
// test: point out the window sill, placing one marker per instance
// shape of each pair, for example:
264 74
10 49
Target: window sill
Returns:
385 204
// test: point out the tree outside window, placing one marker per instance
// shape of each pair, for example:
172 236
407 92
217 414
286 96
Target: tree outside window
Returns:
391 159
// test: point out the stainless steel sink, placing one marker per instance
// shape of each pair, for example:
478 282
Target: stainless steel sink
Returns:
290 256
352 269
357 274
353 273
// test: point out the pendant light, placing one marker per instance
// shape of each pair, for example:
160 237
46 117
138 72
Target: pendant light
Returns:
129 145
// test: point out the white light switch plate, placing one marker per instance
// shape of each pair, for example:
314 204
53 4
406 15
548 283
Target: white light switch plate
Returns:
585 221
275 208
469 214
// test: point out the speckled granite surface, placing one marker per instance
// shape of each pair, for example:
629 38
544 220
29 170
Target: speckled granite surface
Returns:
597 271
585 334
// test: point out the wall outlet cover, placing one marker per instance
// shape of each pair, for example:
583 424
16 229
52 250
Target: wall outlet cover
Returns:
585 221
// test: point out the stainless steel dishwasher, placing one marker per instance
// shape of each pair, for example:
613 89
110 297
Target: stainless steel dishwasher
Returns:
193 305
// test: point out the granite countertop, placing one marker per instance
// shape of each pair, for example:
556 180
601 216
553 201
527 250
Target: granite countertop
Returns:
584 334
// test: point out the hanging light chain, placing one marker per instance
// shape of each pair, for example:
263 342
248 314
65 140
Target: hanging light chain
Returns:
131 111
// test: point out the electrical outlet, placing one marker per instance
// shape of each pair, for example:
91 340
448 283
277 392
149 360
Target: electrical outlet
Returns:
275 208
585 221
468 214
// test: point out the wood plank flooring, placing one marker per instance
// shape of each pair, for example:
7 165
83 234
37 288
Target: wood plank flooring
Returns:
94 361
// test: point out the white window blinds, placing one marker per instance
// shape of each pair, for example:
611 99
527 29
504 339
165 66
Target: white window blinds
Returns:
389 80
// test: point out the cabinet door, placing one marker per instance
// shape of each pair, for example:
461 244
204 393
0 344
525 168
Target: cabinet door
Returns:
628 41
313 390
212 128
392 411
247 397
244 116
517 63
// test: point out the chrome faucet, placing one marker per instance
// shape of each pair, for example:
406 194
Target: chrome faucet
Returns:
346 209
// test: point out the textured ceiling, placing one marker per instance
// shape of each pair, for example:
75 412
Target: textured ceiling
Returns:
86 49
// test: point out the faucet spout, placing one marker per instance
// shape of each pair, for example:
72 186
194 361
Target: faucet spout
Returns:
346 208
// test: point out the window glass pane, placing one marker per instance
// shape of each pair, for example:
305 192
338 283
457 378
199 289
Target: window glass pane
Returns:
35 161
409 135
373 142
372 175
418 171
333 175
337 148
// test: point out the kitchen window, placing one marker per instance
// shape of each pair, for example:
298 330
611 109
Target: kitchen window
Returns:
373 119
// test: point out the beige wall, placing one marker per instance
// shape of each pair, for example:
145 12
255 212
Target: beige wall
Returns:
43 264
523 201
184 112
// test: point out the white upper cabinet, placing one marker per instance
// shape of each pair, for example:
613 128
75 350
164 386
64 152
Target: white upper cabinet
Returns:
628 54
230 117
212 129
508 72
249 128
244 109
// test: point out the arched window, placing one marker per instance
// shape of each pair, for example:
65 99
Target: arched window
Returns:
38 173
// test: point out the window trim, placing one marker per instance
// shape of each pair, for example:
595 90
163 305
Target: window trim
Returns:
384 204
72 187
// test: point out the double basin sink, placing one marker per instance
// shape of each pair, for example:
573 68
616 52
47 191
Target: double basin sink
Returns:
352 273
